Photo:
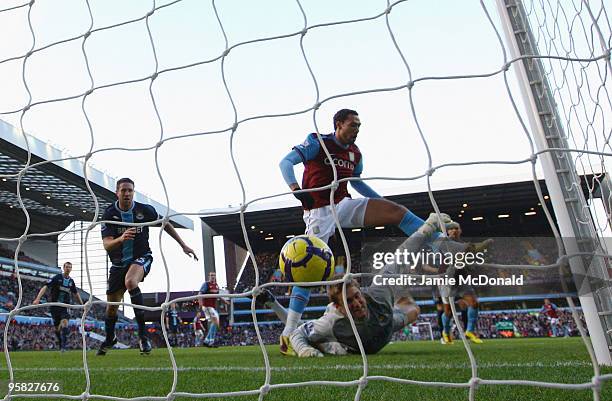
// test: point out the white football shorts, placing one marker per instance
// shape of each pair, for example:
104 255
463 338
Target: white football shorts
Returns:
320 221
210 313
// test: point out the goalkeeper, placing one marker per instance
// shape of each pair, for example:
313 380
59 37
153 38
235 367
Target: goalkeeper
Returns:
378 311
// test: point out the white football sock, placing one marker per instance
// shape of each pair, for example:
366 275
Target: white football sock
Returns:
293 318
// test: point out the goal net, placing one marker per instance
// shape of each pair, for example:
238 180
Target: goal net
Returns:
199 95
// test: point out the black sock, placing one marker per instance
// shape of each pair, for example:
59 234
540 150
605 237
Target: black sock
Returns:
464 318
109 324
136 297
440 326
58 334
64 336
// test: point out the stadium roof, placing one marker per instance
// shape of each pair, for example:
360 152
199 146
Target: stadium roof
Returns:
512 199
54 193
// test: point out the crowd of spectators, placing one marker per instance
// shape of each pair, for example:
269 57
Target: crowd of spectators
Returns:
41 336
525 324
9 294
226 335
9 254
267 263
24 336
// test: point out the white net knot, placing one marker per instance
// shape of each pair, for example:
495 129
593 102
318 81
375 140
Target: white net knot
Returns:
303 32
86 34
533 158
85 395
410 85
430 171
159 144
596 382
165 306
265 389
363 382
23 239
474 382
225 53
506 66
256 291
154 76
316 106
150 12
348 277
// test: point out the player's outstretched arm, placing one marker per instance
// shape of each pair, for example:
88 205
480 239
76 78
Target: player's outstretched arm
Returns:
360 186
41 292
75 291
307 337
79 298
286 167
169 228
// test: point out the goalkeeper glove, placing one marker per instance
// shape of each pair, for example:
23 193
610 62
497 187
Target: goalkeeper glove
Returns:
333 348
310 352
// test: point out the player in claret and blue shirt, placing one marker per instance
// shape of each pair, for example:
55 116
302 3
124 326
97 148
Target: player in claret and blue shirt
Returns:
129 252
371 210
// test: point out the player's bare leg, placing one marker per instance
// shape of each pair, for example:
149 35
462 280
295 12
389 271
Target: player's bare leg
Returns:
382 212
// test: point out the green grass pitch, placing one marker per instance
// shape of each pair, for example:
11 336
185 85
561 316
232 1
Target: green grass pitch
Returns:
127 374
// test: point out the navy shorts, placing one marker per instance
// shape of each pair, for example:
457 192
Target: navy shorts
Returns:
59 313
116 276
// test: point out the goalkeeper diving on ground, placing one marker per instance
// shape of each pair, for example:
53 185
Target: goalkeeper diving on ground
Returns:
378 311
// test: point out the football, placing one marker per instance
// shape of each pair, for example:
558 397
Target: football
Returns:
306 258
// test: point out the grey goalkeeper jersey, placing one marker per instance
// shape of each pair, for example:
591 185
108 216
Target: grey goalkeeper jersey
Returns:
333 327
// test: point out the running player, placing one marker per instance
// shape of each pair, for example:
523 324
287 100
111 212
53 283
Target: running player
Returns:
129 252
61 286
209 307
550 310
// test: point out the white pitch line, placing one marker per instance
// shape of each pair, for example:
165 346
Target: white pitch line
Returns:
313 368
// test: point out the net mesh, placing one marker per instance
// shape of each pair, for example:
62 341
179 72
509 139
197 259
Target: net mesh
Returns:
573 41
